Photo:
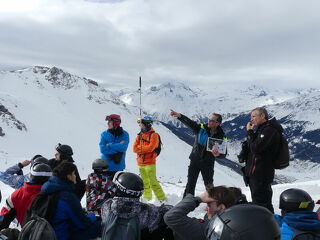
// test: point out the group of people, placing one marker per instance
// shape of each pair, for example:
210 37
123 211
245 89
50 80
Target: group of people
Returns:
53 189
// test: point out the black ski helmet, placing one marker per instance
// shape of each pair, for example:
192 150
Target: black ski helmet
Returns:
295 199
244 221
40 173
39 160
128 184
99 165
65 151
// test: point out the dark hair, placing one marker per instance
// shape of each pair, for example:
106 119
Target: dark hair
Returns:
222 194
260 111
219 117
239 196
64 169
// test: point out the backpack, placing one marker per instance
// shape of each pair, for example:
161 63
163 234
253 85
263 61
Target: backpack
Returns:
158 149
281 160
122 228
36 225
37 228
305 235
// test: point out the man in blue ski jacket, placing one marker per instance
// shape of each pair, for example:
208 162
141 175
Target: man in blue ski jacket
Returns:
297 220
113 144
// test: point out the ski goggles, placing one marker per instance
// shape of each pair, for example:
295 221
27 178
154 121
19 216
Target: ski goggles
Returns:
139 120
214 121
217 230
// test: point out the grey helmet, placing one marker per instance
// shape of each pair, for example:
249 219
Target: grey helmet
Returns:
40 173
244 221
99 165
295 199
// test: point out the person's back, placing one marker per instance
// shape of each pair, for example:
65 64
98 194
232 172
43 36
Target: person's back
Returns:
298 219
120 227
99 186
125 214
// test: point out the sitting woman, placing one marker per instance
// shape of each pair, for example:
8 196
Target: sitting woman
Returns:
69 221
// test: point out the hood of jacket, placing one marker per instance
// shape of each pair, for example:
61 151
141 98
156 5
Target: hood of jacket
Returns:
55 184
306 221
273 123
149 215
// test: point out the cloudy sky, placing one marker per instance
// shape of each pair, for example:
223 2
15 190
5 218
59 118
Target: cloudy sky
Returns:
202 43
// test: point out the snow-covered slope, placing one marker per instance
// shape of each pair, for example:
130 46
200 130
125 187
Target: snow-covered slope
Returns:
54 106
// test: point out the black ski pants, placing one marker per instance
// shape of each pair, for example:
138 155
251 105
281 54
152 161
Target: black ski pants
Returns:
261 193
196 166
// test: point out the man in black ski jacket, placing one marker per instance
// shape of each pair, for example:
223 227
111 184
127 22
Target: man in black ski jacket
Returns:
264 144
201 160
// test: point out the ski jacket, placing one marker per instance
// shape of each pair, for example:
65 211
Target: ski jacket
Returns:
99 188
263 146
300 220
14 177
110 145
202 132
149 216
144 147
20 200
69 215
186 227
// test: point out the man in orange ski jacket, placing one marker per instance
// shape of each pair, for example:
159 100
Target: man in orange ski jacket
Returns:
145 146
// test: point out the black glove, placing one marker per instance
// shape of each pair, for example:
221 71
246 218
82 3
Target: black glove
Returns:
116 157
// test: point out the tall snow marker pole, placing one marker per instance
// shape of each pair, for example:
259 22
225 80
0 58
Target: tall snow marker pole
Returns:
140 96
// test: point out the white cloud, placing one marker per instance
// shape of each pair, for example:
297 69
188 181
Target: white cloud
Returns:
201 42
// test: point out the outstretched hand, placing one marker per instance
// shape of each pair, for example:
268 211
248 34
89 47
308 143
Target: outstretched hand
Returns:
175 114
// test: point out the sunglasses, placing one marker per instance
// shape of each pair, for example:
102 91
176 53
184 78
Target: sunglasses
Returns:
214 121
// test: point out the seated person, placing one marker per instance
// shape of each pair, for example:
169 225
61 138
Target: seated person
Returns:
243 221
99 186
8 233
64 154
296 214
125 209
69 220
185 227
19 201
14 177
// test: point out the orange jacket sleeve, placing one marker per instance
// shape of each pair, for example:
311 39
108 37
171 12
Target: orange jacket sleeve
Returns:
136 145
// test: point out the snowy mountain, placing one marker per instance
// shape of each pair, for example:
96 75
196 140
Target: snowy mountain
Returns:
296 109
199 104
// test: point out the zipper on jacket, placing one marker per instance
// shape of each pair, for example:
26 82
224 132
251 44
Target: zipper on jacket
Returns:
253 168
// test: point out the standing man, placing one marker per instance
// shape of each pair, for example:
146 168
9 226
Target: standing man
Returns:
113 145
263 144
201 160
144 146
